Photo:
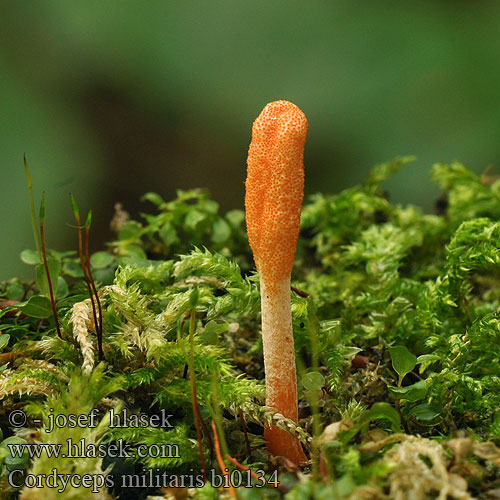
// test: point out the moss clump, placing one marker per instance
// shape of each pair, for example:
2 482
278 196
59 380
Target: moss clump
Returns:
397 339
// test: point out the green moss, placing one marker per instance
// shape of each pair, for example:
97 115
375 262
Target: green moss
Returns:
381 281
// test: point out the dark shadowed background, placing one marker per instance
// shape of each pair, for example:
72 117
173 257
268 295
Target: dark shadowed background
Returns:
112 99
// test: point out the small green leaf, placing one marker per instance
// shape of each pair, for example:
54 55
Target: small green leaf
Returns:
344 486
72 268
3 368
14 291
154 198
210 338
131 230
383 411
425 411
104 276
210 206
193 218
168 234
235 217
15 463
100 260
62 288
313 381
62 255
12 440
54 266
19 461
220 231
133 255
30 257
403 361
313 395
426 360
36 307
412 392
214 326
212 330
4 340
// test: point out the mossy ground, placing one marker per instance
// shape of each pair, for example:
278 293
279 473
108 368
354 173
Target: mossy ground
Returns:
397 331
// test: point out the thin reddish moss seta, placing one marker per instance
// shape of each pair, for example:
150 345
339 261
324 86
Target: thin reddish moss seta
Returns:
273 202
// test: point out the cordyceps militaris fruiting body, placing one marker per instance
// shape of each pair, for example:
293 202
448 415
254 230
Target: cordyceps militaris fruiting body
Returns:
273 202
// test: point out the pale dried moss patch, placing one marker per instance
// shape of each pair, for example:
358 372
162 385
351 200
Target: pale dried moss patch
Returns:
81 320
421 472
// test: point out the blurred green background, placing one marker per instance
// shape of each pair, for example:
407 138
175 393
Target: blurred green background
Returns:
113 99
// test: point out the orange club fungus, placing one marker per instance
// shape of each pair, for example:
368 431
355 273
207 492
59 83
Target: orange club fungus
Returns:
273 202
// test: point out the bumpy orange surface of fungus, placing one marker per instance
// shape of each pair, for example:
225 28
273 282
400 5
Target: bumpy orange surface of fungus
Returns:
273 201
275 187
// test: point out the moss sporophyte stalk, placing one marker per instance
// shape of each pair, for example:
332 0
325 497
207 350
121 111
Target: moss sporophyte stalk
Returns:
393 325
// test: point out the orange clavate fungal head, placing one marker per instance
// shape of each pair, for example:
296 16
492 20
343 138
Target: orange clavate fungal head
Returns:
275 188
